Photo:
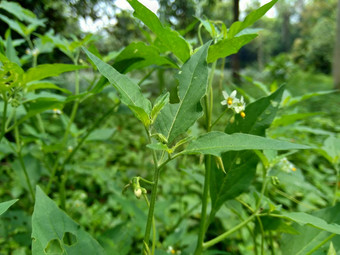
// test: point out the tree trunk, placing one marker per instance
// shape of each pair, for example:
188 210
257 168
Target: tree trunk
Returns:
336 62
235 59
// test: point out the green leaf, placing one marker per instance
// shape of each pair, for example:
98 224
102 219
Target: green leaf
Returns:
259 115
251 18
170 39
295 100
10 50
21 13
175 119
5 205
138 55
48 70
311 233
161 101
228 46
14 25
215 143
130 92
288 119
331 250
33 86
308 219
158 146
141 115
101 134
52 230
240 168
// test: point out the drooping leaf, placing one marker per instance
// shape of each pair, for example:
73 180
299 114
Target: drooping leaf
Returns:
215 143
101 134
170 39
21 13
288 119
146 55
14 25
48 70
5 205
327 218
175 119
53 230
251 18
259 115
311 220
33 86
228 46
130 92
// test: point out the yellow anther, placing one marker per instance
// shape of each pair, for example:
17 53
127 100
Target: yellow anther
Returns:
242 114
230 101
173 251
294 169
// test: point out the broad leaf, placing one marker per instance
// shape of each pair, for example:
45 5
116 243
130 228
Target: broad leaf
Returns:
215 143
101 134
170 39
130 92
229 46
175 119
48 70
310 236
240 170
138 55
54 231
5 205
251 18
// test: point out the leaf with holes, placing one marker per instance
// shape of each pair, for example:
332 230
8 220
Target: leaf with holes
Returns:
54 231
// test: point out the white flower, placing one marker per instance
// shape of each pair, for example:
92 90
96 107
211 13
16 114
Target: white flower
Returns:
239 105
229 99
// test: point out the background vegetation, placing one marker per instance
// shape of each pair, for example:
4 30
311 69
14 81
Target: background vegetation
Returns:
64 124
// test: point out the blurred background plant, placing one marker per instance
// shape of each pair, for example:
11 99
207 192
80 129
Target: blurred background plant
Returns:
296 46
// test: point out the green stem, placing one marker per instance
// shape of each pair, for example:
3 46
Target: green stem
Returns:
153 227
337 180
271 243
4 115
153 198
203 220
320 244
226 234
22 163
146 76
262 234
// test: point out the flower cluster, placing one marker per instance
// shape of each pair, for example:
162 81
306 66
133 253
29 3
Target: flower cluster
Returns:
237 105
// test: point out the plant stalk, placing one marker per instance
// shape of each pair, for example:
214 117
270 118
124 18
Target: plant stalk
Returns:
4 115
153 199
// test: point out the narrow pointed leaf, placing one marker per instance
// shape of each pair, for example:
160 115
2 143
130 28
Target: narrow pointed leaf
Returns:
175 119
5 205
215 143
50 226
138 55
170 39
228 46
309 235
316 222
49 70
251 18
130 92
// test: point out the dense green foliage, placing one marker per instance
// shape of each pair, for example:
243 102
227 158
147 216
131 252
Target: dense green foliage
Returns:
152 150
